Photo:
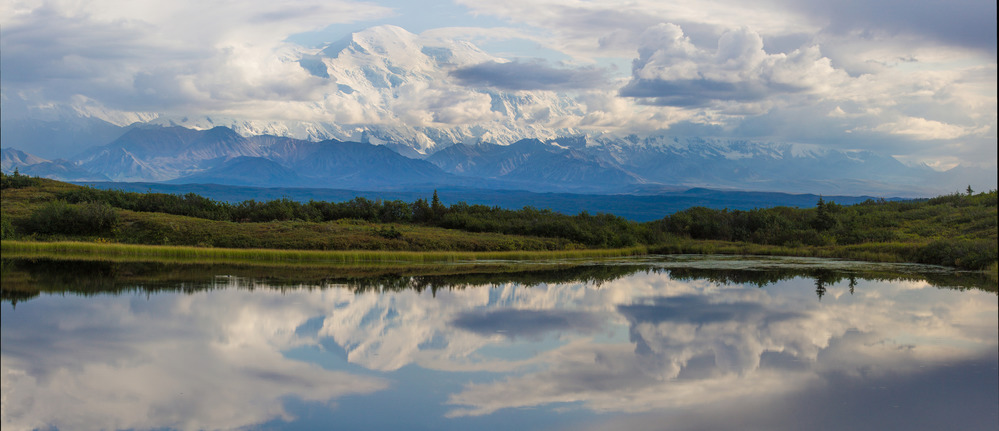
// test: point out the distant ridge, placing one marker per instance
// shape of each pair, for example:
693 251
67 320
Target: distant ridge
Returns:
578 165
633 207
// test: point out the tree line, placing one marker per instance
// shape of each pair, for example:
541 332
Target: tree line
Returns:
600 230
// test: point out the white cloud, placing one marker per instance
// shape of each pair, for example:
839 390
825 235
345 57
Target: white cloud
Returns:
923 129
185 57
671 71
424 104
589 29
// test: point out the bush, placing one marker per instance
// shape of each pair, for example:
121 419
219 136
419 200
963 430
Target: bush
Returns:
6 229
59 217
390 233
16 180
961 253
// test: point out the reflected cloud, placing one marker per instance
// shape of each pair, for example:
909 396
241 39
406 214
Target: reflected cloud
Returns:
526 323
208 361
726 344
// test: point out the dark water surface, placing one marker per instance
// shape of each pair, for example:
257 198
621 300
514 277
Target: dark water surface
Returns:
637 344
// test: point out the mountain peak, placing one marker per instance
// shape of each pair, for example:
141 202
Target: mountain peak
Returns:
11 158
384 33
380 41
221 132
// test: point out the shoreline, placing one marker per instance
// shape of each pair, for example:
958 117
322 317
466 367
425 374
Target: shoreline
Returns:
82 250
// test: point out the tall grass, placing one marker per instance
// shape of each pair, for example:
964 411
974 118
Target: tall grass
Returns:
113 251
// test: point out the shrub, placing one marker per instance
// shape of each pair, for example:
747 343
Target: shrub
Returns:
16 180
6 229
962 253
390 233
59 217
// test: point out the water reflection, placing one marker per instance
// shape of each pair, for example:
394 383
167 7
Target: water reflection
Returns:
642 345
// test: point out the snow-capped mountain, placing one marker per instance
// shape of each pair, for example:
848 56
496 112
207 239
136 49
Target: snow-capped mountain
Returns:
575 164
745 165
373 76
59 169
219 155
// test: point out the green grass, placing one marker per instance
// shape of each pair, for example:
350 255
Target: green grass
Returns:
186 254
890 252
167 229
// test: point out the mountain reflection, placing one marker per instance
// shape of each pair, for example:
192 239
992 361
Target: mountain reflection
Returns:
638 343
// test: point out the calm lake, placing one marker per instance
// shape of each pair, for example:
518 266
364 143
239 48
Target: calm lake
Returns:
652 343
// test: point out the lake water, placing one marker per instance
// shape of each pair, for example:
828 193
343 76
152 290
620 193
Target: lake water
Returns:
676 343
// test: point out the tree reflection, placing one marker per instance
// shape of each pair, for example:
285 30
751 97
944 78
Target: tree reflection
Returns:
24 279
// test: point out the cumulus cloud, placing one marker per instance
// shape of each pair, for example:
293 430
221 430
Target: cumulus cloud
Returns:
528 75
426 104
671 71
591 29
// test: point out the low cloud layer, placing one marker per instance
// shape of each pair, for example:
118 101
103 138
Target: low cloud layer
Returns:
532 75
969 24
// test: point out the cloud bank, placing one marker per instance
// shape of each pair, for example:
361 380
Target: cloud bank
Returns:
532 75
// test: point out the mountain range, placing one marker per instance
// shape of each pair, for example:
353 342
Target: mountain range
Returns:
179 155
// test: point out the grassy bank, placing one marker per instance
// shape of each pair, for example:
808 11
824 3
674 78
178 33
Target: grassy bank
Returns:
74 250
871 252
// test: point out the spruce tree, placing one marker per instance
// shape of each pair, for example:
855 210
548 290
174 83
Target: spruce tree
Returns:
436 207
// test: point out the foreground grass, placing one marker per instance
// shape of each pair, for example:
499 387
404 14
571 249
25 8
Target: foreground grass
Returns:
74 250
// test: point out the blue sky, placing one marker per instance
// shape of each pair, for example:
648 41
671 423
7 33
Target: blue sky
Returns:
914 79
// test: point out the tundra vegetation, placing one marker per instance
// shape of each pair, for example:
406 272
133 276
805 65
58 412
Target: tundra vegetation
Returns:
958 230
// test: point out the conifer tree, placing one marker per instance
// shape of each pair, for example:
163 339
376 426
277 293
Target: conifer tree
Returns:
436 207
